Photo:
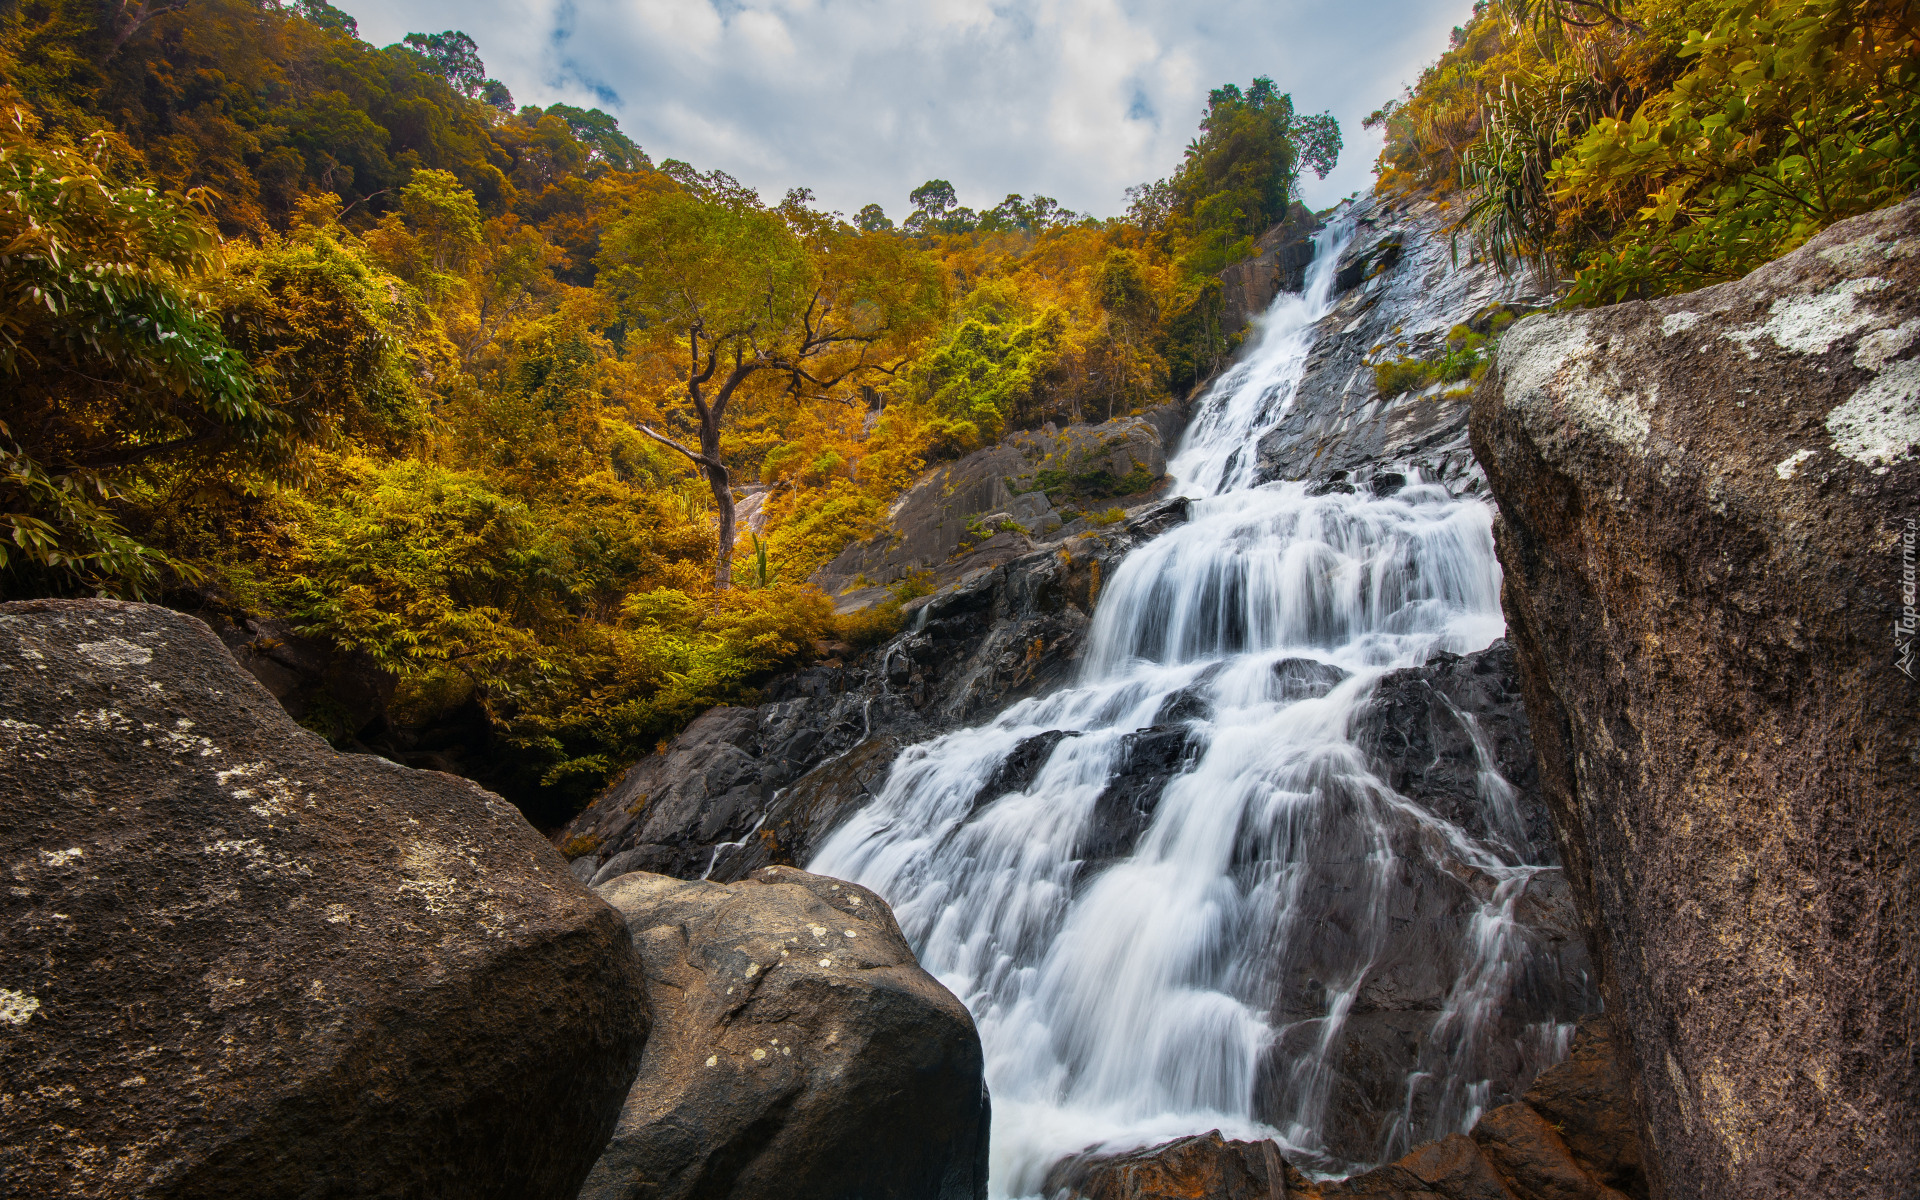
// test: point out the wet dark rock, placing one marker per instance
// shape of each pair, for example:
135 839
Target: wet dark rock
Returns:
238 963
742 788
1278 264
1432 731
1416 734
1207 1165
1018 771
1400 291
1571 1139
1305 678
1705 502
996 505
798 1051
1588 1100
1124 809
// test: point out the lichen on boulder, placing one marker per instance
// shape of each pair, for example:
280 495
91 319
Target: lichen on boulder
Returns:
234 962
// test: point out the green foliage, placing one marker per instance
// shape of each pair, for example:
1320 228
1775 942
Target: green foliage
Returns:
1642 147
1791 115
990 368
1239 175
114 363
1464 357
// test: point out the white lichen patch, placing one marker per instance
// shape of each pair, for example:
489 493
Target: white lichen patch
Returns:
428 880
851 933
753 968
713 1060
61 858
826 962
1552 378
759 1055
1880 424
17 1008
1861 254
819 932
1812 324
1876 350
116 652
1790 466
256 859
1678 322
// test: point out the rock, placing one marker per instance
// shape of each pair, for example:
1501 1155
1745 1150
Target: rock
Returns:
985 632
1442 733
1571 1139
1124 809
1532 1157
1588 1099
1278 264
798 1050
341 696
237 963
1452 1168
1418 734
743 788
1709 506
1400 292
954 520
1204 1166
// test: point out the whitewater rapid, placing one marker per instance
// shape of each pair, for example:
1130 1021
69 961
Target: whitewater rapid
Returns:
1129 995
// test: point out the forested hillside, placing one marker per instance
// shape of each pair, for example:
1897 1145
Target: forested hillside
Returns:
1638 148
296 325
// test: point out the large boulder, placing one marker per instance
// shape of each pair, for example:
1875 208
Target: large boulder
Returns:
235 963
799 1051
1709 508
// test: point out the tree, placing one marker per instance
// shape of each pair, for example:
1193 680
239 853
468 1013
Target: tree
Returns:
454 56
936 210
111 357
873 219
1239 174
728 289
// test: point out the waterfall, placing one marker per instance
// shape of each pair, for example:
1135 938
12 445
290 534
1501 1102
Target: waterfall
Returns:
1142 965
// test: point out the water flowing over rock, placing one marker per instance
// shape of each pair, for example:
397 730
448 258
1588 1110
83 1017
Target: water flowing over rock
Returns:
798 1050
1179 889
237 963
1399 291
1709 526
1570 1138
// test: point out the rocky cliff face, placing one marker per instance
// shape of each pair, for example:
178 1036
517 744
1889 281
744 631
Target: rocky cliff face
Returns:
236 963
1401 291
1709 508
1037 487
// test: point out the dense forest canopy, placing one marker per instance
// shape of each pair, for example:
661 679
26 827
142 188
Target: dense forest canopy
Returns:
296 325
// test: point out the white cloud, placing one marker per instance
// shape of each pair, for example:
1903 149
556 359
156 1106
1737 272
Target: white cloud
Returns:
862 100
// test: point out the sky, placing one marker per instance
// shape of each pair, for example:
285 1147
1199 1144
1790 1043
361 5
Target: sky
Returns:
864 100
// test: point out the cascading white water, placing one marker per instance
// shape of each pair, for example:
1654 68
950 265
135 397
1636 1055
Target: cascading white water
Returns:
1136 991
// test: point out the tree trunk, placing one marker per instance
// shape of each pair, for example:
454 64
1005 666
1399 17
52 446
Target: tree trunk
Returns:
718 480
